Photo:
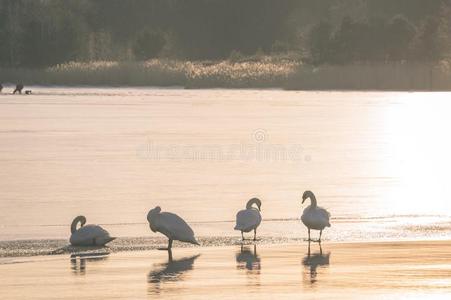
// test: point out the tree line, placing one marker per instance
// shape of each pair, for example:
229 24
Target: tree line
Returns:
40 33
377 41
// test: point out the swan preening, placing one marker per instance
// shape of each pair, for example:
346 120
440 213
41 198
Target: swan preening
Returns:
88 235
171 225
314 217
250 218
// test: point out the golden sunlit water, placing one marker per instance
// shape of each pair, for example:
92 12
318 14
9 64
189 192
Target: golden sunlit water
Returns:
339 271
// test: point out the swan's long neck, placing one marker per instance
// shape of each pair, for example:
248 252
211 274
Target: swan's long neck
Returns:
249 205
153 213
313 200
153 217
252 202
79 219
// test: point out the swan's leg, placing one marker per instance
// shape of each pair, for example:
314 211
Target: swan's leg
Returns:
255 234
242 236
169 246
320 234
309 235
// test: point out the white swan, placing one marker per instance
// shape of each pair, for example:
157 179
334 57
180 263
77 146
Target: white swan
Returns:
249 219
88 235
314 217
171 225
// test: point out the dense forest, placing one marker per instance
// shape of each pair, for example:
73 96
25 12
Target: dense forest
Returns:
41 33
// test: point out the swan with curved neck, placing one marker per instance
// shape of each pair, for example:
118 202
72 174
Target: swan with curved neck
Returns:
88 235
314 217
79 219
311 196
171 225
250 218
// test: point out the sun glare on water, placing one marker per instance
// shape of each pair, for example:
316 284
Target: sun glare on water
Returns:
419 149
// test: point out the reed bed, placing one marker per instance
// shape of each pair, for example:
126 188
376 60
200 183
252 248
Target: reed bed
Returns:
264 72
158 72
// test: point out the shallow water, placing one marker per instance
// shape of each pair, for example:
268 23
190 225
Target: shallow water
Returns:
378 161
289 271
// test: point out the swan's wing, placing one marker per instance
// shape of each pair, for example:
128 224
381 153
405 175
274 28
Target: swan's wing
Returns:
324 213
315 217
247 219
174 227
90 235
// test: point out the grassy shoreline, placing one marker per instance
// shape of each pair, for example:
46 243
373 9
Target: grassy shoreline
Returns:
264 72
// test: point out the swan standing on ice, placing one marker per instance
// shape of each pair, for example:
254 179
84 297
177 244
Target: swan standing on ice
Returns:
314 217
88 235
171 225
249 219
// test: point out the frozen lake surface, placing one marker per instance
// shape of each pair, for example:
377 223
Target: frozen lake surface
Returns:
378 161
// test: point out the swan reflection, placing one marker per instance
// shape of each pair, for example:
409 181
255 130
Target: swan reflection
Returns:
315 260
247 260
171 271
78 261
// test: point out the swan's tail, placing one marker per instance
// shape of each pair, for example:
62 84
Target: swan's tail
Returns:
193 241
239 227
108 239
